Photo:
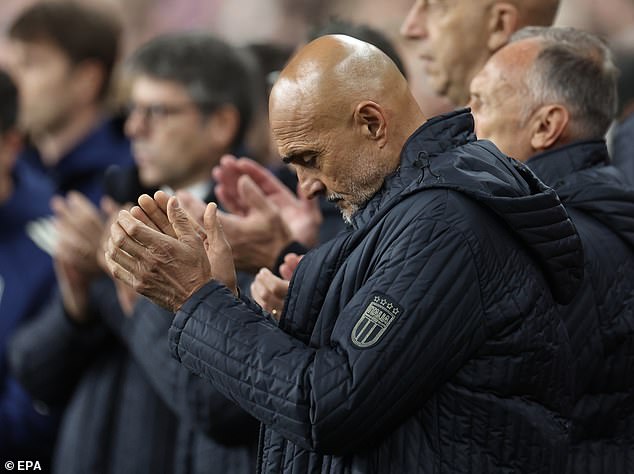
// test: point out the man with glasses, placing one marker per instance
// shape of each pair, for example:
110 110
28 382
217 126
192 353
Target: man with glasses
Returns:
456 37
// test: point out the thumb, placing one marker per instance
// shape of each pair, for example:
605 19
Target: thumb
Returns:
211 223
252 195
179 219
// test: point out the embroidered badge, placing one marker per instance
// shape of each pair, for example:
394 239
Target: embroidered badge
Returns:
375 320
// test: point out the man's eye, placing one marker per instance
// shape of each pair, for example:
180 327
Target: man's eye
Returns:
309 161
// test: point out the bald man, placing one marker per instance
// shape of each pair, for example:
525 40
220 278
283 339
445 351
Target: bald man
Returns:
423 340
548 99
456 37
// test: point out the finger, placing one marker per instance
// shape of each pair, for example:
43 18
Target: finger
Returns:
139 233
180 221
287 268
155 214
118 271
226 176
252 196
86 215
263 177
214 229
193 206
277 287
109 206
76 218
120 239
162 198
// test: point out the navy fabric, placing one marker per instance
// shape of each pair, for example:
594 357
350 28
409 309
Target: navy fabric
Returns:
26 283
463 250
600 320
83 168
623 147
131 407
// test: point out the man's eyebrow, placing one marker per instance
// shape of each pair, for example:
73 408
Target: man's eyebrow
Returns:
295 156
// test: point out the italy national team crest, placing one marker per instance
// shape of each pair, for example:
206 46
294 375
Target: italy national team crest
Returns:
375 320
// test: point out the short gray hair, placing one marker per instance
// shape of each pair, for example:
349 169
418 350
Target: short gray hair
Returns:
574 68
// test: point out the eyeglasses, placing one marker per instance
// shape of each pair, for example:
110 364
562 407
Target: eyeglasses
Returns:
154 113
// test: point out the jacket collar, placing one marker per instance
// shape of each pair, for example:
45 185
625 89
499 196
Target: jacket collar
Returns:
434 137
553 166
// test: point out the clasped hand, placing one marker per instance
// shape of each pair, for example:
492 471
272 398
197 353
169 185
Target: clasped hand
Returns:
165 255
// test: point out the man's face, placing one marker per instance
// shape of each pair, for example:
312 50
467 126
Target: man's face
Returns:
44 78
452 40
171 139
329 157
499 102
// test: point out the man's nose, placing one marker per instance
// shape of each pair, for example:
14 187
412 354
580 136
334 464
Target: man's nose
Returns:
414 25
311 187
135 125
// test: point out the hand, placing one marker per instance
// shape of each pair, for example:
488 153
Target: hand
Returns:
168 260
80 227
257 238
194 206
301 215
74 289
269 291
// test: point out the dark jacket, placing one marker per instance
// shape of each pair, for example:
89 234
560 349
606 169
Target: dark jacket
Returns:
26 283
426 340
83 167
131 407
623 147
600 320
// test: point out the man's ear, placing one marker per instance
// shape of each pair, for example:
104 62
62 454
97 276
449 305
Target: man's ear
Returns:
503 22
548 126
370 118
223 125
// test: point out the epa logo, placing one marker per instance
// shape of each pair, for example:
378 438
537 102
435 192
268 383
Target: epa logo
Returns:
23 466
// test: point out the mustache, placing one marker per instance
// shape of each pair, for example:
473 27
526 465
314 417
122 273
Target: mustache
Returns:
334 197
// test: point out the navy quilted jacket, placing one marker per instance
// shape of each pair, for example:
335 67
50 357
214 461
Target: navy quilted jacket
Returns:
600 320
425 340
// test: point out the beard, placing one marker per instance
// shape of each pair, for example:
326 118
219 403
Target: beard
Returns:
359 197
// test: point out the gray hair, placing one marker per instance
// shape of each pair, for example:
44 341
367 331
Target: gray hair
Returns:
575 69
213 72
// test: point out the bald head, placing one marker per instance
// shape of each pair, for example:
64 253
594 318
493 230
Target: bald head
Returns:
333 73
341 112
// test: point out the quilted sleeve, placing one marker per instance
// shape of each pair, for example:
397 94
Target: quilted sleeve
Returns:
414 321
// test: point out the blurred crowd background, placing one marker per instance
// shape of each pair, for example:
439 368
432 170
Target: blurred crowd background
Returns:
287 22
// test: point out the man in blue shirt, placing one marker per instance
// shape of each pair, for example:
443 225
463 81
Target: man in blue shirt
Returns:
26 281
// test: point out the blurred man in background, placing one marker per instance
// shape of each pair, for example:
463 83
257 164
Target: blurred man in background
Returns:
106 349
548 99
63 57
456 37
26 284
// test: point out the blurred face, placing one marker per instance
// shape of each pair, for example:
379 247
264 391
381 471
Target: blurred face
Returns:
330 158
44 77
172 141
451 40
498 102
